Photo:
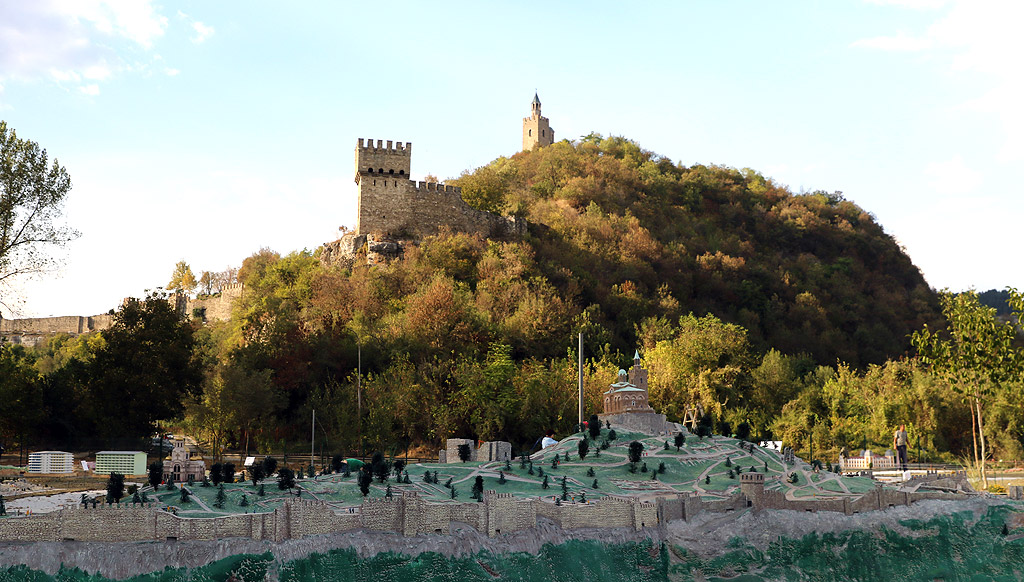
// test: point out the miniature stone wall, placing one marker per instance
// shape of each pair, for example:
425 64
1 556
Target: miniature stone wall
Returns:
409 514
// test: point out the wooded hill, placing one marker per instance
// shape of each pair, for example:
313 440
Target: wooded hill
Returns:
739 294
631 240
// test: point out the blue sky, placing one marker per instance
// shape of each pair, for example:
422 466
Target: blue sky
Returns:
204 131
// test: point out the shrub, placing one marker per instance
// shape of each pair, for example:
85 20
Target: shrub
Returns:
679 440
221 497
594 427
583 448
285 479
228 472
464 452
365 478
215 473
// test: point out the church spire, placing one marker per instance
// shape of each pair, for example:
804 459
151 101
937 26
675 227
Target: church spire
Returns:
535 105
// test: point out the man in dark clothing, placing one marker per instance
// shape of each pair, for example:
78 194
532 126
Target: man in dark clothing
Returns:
899 440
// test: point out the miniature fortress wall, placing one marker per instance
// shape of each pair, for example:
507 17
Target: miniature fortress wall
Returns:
409 514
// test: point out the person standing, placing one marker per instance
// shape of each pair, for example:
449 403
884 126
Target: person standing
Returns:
899 441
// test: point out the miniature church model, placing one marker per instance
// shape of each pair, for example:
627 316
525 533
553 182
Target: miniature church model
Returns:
626 405
182 465
629 393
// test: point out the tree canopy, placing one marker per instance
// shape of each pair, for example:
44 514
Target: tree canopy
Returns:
32 193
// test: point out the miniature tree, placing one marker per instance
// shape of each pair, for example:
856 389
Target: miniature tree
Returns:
558 501
583 496
285 479
426 477
227 472
828 466
531 471
554 462
743 431
594 427
636 449
256 473
261 491
611 435
666 445
728 462
337 462
191 480
707 479
752 469
215 473
206 482
565 489
661 467
85 499
643 469
545 483
300 474
794 478
136 499
679 440
766 466
435 478
522 461
380 467
454 493
346 473
145 497
3 506
508 465
464 452
311 471
448 483
269 466
1006 530
398 466
221 497
115 487
478 488
501 478
365 478
244 502
156 474
540 471
594 485
185 495
654 475
590 472
597 452
731 474
566 455
583 448
406 479
387 492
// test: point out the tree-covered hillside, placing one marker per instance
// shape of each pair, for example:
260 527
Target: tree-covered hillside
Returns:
741 297
630 239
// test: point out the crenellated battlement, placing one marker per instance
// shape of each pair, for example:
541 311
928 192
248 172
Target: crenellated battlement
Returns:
397 148
437 187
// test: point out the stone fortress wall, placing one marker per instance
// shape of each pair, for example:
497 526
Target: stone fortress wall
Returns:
408 514
392 204
34 330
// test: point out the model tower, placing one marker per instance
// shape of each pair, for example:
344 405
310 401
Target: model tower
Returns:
537 131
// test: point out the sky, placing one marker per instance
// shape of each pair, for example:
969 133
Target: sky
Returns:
205 131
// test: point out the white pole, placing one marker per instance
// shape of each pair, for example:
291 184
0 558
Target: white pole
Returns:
581 377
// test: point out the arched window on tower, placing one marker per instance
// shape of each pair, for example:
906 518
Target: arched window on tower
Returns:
401 172
370 170
529 132
392 171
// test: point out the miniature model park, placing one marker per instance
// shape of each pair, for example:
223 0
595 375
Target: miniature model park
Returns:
461 313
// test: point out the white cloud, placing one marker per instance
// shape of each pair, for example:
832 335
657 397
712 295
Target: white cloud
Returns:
952 177
203 32
900 42
975 36
93 89
172 72
75 40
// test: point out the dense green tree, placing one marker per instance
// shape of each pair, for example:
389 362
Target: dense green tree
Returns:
156 474
285 479
583 448
182 279
144 368
115 487
975 353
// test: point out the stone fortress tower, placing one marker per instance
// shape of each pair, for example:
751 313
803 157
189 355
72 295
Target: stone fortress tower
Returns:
626 404
537 131
390 204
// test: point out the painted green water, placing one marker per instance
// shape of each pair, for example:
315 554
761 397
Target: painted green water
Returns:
952 547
